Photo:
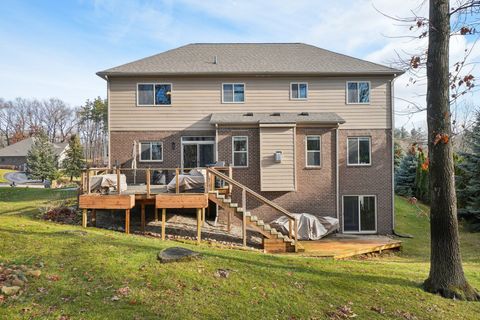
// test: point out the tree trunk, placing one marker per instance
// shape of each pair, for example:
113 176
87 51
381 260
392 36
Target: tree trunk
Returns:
446 271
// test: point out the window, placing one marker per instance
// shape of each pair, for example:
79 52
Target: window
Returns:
313 151
154 94
359 214
358 92
298 90
359 151
233 93
240 151
151 151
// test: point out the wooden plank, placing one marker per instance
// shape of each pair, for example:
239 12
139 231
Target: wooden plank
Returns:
182 200
148 182
97 201
164 222
277 246
118 181
177 185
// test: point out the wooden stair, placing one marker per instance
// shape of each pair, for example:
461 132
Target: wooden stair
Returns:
273 241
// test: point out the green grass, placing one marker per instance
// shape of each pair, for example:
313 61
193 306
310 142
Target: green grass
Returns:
2 175
94 266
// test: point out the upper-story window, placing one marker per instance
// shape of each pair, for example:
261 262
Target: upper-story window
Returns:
298 90
233 93
151 151
359 151
154 94
358 92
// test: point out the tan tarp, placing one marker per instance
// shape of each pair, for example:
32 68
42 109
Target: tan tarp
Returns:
104 183
194 180
310 227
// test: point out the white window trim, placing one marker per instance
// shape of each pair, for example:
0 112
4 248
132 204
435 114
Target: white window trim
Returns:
233 151
369 92
233 88
155 105
319 151
140 151
196 142
359 218
291 91
358 152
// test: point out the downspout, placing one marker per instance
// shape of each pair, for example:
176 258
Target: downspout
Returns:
216 142
337 183
109 154
392 102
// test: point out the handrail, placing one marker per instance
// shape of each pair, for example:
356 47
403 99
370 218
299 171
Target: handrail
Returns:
251 192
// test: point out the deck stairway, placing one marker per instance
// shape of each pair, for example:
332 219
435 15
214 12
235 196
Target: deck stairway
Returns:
273 240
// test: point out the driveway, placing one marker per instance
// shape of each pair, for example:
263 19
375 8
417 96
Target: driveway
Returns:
21 180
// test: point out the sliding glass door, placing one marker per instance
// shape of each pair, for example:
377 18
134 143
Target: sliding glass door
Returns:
197 151
359 214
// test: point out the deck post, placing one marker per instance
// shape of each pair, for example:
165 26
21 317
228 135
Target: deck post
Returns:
118 181
229 219
127 221
244 217
84 218
199 225
156 214
142 216
290 228
94 217
164 222
295 226
177 187
203 216
148 182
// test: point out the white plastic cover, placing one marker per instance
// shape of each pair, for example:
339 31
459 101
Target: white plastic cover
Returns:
310 227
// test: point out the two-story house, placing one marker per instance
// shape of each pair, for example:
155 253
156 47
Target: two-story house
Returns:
305 127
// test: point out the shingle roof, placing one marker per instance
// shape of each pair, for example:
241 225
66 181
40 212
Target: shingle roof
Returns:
249 58
276 117
21 148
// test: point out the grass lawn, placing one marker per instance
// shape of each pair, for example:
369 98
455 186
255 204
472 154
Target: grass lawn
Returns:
2 173
91 268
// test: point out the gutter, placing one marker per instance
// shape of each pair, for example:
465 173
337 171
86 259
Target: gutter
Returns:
337 180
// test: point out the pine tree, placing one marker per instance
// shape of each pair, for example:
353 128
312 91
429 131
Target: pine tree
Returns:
41 159
73 162
405 175
421 177
398 155
468 183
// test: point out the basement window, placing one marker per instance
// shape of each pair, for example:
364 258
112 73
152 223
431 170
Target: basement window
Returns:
233 93
240 151
298 90
151 151
154 94
358 92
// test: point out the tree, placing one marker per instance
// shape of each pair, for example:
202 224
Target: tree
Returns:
405 175
41 159
468 181
446 275
398 155
92 128
73 162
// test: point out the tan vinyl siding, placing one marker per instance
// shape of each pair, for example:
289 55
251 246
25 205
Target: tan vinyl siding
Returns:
276 176
194 99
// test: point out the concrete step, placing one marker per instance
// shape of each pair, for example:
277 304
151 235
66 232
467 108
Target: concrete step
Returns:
260 223
253 218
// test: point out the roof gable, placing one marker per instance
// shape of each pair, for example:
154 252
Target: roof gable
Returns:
249 58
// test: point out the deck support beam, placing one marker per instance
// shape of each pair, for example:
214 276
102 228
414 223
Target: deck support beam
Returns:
142 216
94 217
127 221
164 222
199 225
84 218
156 215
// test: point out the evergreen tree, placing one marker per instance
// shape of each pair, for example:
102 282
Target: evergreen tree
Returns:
41 159
469 182
421 177
405 175
398 155
73 162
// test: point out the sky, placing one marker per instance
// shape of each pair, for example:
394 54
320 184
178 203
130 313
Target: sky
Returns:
54 48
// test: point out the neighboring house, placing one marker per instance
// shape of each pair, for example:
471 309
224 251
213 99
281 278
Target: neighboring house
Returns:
16 154
307 128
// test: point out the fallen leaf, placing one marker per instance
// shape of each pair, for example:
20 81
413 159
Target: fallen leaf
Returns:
115 298
53 278
377 309
123 291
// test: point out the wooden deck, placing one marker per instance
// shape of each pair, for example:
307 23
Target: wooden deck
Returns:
339 247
